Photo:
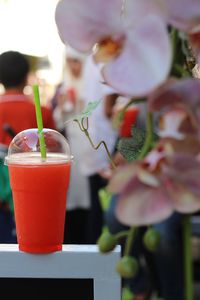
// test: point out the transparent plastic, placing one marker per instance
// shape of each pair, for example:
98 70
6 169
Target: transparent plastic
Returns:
25 147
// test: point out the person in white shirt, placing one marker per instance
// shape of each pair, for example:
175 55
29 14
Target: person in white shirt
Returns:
69 103
96 164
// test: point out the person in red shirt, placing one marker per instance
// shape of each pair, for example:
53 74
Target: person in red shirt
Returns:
17 113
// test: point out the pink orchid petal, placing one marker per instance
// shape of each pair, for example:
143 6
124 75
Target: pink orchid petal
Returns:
145 60
122 177
154 157
188 90
182 168
185 91
82 23
136 10
163 96
143 205
181 94
183 182
184 200
148 178
184 14
171 123
189 146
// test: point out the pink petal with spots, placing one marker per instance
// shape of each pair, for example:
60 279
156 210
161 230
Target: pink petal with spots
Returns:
185 91
122 177
148 178
171 123
145 61
183 169
189 146
81 23
184 200
143 205
154 157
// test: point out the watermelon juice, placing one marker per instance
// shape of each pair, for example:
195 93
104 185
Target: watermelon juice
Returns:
39 194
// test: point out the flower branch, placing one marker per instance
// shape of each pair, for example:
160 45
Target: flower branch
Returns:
149 137
130 239
84 128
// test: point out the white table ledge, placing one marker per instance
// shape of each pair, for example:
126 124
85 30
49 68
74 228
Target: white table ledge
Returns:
74 261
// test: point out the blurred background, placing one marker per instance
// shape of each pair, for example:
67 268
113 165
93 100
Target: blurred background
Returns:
29 27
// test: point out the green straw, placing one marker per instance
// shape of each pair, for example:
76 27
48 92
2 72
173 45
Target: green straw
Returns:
39 121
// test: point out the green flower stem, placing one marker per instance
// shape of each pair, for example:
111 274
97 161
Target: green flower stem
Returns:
188 264
84 128
149 137
146 147
132 101
122 234
121 113
174 42
130 239
181 71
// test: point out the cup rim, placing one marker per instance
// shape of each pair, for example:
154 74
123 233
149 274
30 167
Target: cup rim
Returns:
51 159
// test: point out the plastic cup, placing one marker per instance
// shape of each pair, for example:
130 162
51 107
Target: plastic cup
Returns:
39 188
129 120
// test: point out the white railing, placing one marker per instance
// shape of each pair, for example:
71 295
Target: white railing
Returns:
74 261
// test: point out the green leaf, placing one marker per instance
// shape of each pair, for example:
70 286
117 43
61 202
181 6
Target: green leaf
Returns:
88 110
138 134
131 147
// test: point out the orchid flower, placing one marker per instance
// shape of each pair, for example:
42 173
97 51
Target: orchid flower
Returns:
168 178
181 101
157 186
131 38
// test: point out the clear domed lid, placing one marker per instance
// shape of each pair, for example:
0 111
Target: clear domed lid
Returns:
25 147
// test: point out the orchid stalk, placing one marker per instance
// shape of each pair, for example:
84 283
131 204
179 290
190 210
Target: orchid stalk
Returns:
85 128
149 137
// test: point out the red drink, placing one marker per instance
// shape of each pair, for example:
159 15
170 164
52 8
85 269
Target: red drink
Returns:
39 194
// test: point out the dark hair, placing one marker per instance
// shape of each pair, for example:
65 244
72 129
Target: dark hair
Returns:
14 68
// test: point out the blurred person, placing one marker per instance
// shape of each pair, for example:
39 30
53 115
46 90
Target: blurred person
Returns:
68 102
96 164
17 113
